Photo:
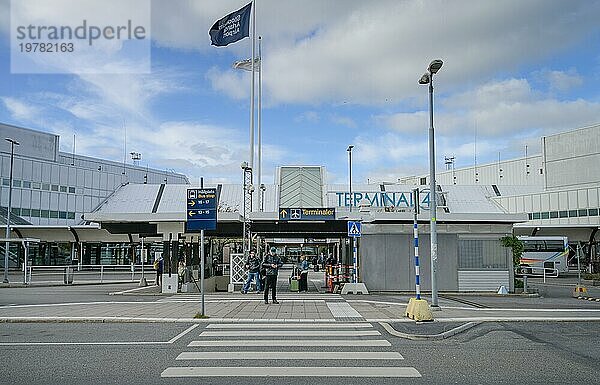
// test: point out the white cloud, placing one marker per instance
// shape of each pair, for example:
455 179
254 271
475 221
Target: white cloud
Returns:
234 83
20 110
343 121
561 81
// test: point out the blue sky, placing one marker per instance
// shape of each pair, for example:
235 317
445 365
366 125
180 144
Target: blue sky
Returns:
335 73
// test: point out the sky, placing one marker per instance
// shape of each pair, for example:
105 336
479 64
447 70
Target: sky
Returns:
335 73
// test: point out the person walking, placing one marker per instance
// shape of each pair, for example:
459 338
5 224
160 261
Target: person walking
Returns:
271 264
253 266
303 267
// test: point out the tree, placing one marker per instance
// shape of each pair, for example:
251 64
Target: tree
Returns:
516 246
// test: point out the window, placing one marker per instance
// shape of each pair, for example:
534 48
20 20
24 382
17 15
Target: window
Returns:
423 181
53 214
35 213
45 214
553 214
543 246
582 213
546 215
70 215
563 214
63 189
25 212
16 183
530 216
482 254
593 212
46 186
6 182
62 215
71 190
36 185
54 187
572 213
537 215
26 184
15 210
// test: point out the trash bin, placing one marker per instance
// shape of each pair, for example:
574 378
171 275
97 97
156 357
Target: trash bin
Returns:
68 276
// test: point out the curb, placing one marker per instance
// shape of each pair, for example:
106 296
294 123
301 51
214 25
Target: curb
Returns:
440 336
591 299
158 320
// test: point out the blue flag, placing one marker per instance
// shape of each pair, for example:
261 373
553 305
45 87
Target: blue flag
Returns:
231 28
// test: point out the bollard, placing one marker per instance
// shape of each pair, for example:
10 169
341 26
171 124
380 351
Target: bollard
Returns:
524 283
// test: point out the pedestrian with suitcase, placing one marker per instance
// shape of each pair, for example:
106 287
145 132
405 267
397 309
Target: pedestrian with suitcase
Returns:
303 267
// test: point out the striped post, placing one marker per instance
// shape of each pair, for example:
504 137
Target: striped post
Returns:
416 237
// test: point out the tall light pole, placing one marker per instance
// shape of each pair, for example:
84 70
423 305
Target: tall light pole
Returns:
427 78
7 245
349 149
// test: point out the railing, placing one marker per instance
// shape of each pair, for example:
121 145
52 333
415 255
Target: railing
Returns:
531 271
68 274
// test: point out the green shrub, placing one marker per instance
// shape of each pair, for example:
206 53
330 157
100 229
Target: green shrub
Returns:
516 245
518 283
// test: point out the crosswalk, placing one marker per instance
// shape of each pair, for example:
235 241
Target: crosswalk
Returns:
287 349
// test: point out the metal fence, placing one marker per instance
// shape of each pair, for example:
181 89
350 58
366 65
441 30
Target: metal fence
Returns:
69 274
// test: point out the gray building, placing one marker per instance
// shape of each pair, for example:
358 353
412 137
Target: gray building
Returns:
51 187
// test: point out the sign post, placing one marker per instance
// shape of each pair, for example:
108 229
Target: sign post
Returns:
201 215
354 231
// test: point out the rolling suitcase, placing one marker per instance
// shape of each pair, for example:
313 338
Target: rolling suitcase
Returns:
294 284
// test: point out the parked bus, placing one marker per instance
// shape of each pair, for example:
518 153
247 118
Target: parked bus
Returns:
544 253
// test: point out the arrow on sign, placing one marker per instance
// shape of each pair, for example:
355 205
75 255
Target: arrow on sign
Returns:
191 203
283 213
191 213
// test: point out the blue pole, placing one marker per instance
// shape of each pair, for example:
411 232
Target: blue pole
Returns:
416 237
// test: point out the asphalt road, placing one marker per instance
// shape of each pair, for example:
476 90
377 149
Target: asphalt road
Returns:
491 353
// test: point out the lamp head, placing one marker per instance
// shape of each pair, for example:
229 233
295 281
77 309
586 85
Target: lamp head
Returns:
12 141
244 165
435 66
425 78
350 147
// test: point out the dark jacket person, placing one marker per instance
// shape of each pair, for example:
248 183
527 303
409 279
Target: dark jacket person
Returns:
271 263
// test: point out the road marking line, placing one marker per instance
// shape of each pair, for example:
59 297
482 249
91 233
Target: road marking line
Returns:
72 304
271 325
286 371
129 291
290 333
186 331
304 343
290 356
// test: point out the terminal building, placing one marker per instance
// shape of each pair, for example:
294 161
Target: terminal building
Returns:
51 189
558 189
302 213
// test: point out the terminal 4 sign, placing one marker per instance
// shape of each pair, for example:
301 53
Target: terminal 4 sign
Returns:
201 210
297 214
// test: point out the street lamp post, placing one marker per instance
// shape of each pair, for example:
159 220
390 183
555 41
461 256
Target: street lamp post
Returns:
427 78
349 149
7 245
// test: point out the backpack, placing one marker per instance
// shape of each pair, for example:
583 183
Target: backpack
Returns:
156 264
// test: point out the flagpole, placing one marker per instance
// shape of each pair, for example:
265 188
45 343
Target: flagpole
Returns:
251 160
259 121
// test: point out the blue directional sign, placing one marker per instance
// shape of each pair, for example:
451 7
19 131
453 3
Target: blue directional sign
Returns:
201 210
354 229
300 214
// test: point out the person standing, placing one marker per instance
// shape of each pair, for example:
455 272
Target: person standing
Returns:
253 266
303 267
271 264
159 265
